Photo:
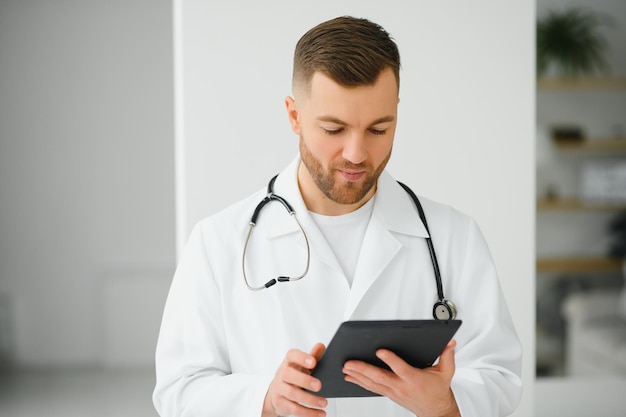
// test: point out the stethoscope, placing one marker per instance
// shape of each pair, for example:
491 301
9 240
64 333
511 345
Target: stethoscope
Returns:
442 310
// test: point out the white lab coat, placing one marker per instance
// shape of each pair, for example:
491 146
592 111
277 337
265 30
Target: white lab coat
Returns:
220 343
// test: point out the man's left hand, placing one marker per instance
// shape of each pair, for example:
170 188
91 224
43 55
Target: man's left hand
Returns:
425 392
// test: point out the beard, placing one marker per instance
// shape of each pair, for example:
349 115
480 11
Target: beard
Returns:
344 192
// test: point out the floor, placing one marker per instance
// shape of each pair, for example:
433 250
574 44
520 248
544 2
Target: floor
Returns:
98 393
74 393
580 397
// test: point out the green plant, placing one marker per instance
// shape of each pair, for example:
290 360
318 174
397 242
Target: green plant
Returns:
571 42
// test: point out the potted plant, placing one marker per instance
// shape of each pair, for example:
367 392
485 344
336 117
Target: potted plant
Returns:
570 42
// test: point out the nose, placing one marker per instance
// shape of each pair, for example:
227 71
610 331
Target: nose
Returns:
354 149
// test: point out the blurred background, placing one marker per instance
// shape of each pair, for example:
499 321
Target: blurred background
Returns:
581 188
581 206
87 205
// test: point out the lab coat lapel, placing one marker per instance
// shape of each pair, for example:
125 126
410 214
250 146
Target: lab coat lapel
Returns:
378 250
394 213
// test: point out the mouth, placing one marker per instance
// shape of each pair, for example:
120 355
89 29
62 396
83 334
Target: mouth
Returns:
351 175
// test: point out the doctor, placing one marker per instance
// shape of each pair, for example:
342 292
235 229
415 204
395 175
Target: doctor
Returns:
229 346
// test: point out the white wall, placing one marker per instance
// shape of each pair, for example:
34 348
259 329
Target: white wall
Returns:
466 123
86 177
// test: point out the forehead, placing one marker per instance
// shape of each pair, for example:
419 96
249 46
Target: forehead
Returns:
327 97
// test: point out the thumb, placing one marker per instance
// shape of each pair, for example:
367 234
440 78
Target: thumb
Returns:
317 351
446 359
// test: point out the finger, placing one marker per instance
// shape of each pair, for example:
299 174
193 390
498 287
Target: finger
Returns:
288 395
397 364
284 399
300 379
364 371
299 358
317 351
364 378
296 395
446 359
285 406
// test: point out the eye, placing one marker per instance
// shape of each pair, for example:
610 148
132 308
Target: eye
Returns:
332 131
378 131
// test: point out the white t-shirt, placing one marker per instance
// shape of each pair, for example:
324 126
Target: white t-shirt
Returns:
345 235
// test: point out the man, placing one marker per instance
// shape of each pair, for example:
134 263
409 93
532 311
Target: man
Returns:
225 350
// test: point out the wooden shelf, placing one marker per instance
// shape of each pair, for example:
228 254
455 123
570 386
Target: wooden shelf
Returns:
579 265
575 204
594 145
581 84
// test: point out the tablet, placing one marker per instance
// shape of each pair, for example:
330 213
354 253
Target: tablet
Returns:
418 342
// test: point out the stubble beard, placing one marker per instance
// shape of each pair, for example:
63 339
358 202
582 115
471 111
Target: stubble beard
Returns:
348 192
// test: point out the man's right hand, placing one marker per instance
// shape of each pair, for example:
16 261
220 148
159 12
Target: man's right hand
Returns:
286 394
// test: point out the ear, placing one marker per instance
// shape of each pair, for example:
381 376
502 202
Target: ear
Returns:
293 115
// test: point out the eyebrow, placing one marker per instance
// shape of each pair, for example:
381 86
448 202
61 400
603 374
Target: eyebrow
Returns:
332 119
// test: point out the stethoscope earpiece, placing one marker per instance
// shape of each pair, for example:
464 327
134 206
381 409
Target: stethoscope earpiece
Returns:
270 197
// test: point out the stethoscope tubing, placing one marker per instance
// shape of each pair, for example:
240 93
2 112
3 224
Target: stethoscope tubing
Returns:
257 211
429 242
442 310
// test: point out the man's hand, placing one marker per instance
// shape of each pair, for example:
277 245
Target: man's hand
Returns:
425 392
286 394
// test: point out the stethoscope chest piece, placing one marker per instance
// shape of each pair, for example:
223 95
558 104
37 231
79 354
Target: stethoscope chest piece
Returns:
444 310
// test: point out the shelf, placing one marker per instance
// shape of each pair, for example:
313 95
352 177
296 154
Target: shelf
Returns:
594 145
575 204
579 265
581 84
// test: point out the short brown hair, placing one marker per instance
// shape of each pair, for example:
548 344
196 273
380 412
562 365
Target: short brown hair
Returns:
351 51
